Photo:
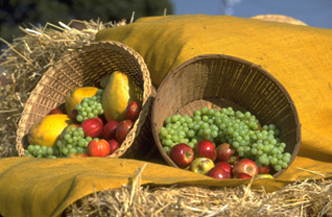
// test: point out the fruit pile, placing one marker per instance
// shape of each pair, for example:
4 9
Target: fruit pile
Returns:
95 123
223 141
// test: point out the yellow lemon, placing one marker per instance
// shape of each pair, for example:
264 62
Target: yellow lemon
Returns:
48 130
118 93
75 97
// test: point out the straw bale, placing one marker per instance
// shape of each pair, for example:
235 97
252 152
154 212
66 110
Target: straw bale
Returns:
301 198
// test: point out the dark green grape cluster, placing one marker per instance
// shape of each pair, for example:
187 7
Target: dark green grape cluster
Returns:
73 141
241 130
41 151
90 107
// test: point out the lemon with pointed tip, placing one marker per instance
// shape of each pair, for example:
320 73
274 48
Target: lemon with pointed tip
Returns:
118 93
47 131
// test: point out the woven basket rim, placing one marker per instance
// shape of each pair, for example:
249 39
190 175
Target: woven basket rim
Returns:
244 62
279 18
74 53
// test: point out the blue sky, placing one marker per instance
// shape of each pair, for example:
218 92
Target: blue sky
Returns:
317 13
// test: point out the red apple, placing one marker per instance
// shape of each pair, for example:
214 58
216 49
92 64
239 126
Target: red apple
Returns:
92 127
225 152
67 129
218 173
205 148
133 110
201 165
114 145
122 130
245 165
98 148
74 114
109 129
55 111
264 169
242 176
182 155
224 165
76 155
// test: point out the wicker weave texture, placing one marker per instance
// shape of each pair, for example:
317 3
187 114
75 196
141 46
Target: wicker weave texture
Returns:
219 81
85 66
279 18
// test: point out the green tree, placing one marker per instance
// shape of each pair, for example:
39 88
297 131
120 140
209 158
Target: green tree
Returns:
15 13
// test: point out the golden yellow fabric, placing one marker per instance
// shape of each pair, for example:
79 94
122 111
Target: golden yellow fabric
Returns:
45 187
300 57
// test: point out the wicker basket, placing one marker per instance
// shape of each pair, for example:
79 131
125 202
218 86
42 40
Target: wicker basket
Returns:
85 66
219 81
279 18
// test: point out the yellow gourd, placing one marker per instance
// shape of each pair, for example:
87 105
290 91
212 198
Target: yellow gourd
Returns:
75 97
48 130
118 93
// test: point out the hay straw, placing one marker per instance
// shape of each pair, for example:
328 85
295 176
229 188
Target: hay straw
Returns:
306 198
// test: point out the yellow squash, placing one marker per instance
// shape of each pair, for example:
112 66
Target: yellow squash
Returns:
75 97
48 130
118 93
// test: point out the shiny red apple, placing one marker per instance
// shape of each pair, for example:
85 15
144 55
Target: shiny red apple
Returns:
114 145
55 111
245 165
224 165
242 176
264 169
122 130
218 173
205 148
227 153
92 127
109 129
133 110
98 148
182 155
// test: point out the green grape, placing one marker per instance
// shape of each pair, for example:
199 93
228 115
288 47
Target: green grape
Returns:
51 157
174 118
191 133
204 125
284 164
65 151
50 151
204 110
197 113
30 148
277 167
167 149
191 144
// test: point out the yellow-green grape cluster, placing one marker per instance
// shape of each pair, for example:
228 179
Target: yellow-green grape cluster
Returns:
90 107
239 129
42 152
73 141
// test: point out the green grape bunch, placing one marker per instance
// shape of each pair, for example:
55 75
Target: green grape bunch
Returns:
90 107
73 141
240 129
43 151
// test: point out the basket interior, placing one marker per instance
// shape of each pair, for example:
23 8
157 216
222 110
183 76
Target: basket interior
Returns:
218 81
